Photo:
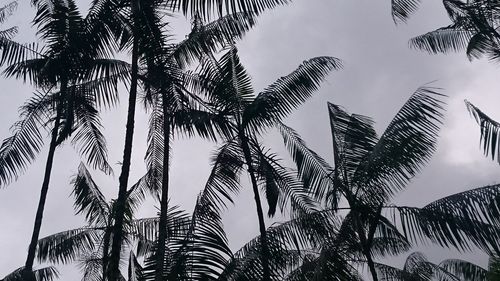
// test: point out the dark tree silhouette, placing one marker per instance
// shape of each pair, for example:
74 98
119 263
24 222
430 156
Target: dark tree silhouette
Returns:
75 78
90 245
249 116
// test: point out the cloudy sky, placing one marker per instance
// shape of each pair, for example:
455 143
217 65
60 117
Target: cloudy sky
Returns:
380 73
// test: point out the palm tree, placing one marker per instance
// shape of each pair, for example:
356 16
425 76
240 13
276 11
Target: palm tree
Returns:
175 105
90 244
473 30
75 78
142 33
369 171
249 116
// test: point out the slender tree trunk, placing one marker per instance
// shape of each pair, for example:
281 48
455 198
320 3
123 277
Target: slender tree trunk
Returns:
116 244
28 267
365 240
369 241
371 264
162 227
105 252
262 227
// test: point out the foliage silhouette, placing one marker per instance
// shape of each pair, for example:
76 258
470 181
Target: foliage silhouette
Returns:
90 245
250 115
72 63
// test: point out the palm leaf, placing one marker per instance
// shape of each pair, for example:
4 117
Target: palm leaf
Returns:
13 52
447 39
489 131
89 139
42 274
155 149
403 9
281 185
68 246
231 83
312 169
7 10
224 177
88 198
406 145
20 149
212 8
353 138
464 270
206 38
460 220
283 96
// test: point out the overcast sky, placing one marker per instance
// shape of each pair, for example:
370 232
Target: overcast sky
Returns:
380 73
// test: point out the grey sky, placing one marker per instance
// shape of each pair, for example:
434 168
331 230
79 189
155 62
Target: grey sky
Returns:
380 73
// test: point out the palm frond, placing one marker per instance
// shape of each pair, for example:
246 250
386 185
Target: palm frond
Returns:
12 52
246 263
68 246
89 139
91 266
460 220
388 240
206 38
406 145
9 33
281 185
33 71
178 223
283 96
312 169
217 8
155 149
403 9
464 270
231 83
224 177
88 198
49 273
353 138
204 123
443 40
489 131
20 149
416 267
7 10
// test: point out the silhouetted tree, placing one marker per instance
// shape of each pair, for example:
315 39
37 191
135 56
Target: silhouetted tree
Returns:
90 245
75 64
249 116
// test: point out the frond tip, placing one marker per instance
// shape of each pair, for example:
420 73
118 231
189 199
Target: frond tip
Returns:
402 9
490 130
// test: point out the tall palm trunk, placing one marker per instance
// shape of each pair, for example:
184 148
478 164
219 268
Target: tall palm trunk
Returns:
260 213
119 212
105 251
371 264
162 231
365 240
369 241
28 267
